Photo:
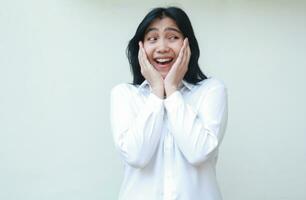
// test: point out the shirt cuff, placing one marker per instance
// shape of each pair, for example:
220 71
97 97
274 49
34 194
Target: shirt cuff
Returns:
155 101
173 100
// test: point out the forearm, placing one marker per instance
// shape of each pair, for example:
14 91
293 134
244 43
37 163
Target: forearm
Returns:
136 132
197 132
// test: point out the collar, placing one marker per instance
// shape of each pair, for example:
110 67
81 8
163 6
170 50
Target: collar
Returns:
145 84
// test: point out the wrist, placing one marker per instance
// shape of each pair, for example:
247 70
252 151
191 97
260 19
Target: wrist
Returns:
170 89
158 91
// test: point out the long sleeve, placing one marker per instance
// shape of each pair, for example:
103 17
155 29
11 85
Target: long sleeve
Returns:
198 132
136 130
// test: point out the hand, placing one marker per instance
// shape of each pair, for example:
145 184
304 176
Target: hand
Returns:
178 70
150 73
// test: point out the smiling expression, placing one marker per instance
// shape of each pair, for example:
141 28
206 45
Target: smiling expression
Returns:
162 43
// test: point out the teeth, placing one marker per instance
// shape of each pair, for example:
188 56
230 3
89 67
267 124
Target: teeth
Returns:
163 59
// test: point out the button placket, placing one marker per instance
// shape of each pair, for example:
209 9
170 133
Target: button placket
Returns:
169 186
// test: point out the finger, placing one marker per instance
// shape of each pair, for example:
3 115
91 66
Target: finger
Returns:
184 47
180 56
186 56
185 42
143 56
140 53
140 56
145 60
147 66
184 52
189 52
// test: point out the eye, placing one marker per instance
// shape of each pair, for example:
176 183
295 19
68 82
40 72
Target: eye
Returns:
173 37
151 39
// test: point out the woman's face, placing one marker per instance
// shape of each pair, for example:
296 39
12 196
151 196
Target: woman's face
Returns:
162 43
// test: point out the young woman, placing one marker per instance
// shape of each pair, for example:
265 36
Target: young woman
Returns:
169 123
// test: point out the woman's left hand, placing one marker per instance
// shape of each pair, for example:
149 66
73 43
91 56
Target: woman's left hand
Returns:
178 70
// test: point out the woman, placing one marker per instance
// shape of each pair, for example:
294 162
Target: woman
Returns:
169 123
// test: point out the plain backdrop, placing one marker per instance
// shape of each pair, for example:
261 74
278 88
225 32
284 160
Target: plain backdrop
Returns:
59 60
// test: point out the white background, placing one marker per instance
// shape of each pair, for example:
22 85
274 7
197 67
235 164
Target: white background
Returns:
60 58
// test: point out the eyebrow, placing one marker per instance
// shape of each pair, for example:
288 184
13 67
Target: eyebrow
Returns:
166 29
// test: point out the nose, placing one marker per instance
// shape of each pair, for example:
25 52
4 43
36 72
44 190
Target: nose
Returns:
163 47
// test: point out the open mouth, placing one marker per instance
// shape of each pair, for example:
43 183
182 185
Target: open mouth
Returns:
163 61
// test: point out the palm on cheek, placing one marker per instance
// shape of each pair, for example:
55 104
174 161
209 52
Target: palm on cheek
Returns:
149 73
179 69
147 70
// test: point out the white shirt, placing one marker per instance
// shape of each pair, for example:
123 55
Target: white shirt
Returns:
169 146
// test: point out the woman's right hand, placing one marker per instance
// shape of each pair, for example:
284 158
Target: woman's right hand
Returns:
150 73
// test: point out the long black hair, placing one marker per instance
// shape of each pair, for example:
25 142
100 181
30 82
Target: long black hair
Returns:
194 73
